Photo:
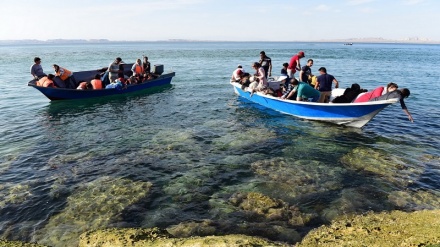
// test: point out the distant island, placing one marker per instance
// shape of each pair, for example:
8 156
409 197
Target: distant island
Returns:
414 40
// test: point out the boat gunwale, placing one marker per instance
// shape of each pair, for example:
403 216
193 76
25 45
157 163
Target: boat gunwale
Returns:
379 102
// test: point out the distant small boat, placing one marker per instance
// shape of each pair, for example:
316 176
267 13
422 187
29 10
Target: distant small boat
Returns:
348 114
348 44
67 93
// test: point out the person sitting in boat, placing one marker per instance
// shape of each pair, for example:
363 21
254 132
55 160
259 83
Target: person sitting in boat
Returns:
137 68
121 78
83 85
260 82
65 75
114 69
304 91
97 83
290 90
37 69
46 81
400 95
349 94
116 84
237 74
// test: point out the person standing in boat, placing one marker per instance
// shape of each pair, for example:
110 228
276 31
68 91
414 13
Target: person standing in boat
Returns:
284 69
324 85
306 71
146 65
65 75
294 64
266 63
399 94
37 69
114 69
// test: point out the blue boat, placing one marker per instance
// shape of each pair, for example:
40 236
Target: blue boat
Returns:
348 114
66 93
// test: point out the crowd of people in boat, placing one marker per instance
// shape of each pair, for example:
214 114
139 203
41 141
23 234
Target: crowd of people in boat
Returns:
309 87
113 76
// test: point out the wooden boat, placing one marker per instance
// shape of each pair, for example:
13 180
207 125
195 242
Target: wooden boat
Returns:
66 93
348 114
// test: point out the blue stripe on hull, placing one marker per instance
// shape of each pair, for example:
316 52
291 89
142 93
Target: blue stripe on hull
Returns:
356 115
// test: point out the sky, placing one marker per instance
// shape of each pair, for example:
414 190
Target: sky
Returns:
219 20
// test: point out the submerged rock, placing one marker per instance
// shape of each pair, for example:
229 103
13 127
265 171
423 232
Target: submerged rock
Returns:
386 165
415 200
93 206
157 237
394 228
14 193
353 201
292 179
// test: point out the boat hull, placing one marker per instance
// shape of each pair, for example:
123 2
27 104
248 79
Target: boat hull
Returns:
68 94
349 114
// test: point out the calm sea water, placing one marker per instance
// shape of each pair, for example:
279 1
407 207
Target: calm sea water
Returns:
179 154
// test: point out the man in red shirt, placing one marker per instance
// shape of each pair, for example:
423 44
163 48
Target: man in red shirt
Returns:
294 64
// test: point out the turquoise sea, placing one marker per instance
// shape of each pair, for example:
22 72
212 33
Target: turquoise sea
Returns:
194 154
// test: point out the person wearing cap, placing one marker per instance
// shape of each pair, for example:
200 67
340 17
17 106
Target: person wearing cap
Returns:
399 94
324 84
36 69
306 71
237 74
114 69
294 64
266 63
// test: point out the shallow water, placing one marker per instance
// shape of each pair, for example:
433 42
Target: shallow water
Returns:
198 144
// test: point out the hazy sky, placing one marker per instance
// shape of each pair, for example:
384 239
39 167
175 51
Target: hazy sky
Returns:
234 20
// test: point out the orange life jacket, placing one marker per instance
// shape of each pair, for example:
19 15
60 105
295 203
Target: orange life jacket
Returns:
139 69
96 83
45 82
67 73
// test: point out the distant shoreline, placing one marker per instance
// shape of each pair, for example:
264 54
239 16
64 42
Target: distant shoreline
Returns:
105 41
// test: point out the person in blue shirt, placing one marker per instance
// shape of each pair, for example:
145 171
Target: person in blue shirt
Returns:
324 85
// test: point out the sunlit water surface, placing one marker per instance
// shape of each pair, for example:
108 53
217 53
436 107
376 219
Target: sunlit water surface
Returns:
186 152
